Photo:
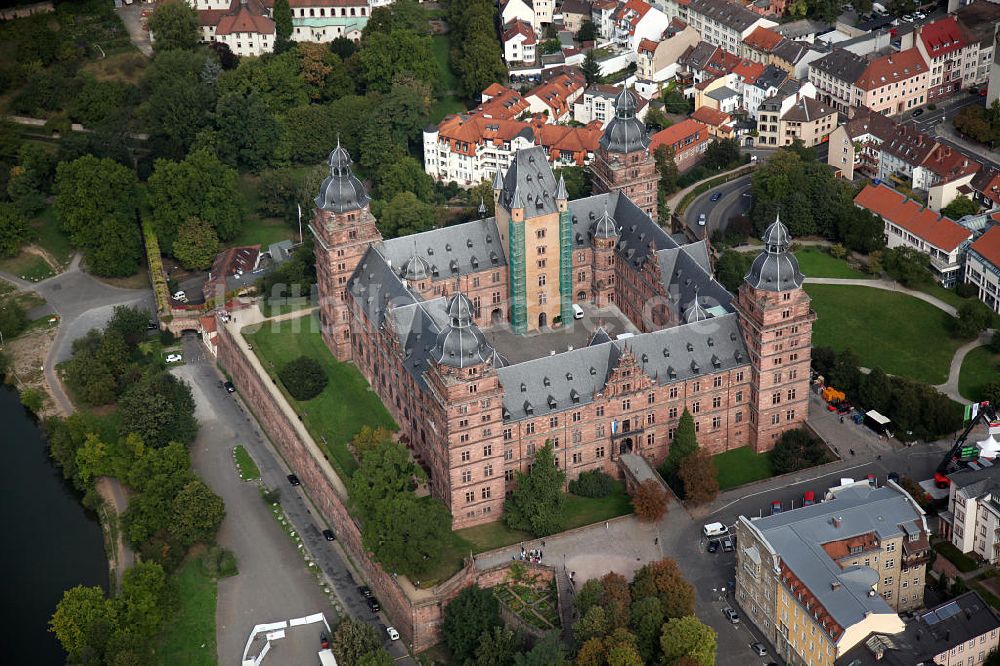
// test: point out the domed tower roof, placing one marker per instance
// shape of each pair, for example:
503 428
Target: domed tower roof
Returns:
695 312
605 226
341 191
416 268
498 360
775 269
625 133
461 344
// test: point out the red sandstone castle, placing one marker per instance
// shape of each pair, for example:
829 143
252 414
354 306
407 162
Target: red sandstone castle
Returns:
433 321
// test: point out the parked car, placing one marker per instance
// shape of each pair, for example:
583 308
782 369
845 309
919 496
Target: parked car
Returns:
393 634
809 498
174 358
294 480
328 535
180 296
373 604
917 112
152 325
365 591
716 196
701 220
713 546
894 477
230 388
731 615
759 649
844 406
775 507
871 480
727 545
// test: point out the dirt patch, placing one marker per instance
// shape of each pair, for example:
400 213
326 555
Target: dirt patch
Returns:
27 354
46 257
115 497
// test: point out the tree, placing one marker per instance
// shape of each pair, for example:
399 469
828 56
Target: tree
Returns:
198 512
698 474
587 32
907 265
722 154
386 56
731 268
577 179
13 230
282 24
406 215
407 533
615 599
548 651
196 244
174 25
874 388
592 483
973 318
179 102
303 377
960 207
591 653
369 438
144 598
199 187
96 206
406 175
650 501
662 579
496 647
991 392
384 471
688 637
472 613
536 504
845 373
247 130
588 596
646 621
594 624
408 108
160 409
685 443
795 450
591 68
83 622
352 640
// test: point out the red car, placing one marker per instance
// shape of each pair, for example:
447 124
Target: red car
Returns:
809 498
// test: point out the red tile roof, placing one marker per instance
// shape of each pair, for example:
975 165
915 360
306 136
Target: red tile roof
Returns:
502 102
944 36
555 92
647 45
465 132
683 133
748 71
558 139
710 116
245 21
891 69
950 164
210 17
988 246
518 27
763 39
934 229
631 13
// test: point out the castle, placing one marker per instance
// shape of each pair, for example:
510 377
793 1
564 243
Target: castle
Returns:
433 322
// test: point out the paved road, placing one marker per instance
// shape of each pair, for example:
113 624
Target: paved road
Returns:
273 583
718 213
131 16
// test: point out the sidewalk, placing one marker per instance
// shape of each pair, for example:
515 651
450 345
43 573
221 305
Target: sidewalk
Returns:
887 285
678 196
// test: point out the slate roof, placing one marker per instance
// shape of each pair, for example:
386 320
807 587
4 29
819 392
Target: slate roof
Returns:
772 77
841 64
450 251
530 175
725 92
801 28
807 109
798 537
791 51
733 16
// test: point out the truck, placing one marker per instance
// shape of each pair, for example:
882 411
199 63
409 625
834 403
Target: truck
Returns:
960 454
880 424
832 395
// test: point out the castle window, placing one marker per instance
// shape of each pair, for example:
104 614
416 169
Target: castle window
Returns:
508 475
470 497
554 422
577 458
717 382
466 476
540 233
599 452
791 394
487 450
488 470
776 398
600 411
508 454
716 402
739 396
529 428
695 407
465 456
672 413
790 415
486 493
626 404
651 398
673 392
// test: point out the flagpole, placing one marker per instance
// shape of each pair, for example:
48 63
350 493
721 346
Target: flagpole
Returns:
300 223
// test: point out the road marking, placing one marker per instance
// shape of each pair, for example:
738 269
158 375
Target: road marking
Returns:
771 490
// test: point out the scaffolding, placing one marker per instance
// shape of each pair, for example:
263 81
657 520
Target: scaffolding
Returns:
566 267
518 297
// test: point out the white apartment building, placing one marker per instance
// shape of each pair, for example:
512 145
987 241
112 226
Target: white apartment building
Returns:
834 76
982 268
722 23
972 520
952 53
637 20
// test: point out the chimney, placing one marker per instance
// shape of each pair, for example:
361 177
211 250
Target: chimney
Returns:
836 522
835 585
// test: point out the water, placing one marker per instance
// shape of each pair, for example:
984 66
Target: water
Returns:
49 544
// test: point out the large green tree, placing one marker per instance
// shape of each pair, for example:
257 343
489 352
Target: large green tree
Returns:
974 317
83 622
174 25
352 640
196 244
536 505
406 175
387 56
199 187
247 130
685 443
731 267
688 637
13 230
197 514
406 215
282 24
496 647
591 67
472 613
960 207
179 100
96 207
407 533
662 579
908 265
160 409
795 450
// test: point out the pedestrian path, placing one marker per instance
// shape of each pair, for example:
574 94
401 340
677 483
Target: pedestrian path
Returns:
950 387
886 285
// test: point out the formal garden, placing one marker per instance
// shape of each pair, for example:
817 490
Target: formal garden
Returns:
533 600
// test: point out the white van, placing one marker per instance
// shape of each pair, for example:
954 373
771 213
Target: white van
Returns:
714 530
577 312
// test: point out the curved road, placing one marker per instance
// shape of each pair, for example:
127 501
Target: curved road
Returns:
718 213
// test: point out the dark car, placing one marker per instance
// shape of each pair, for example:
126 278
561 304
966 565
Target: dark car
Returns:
294 480
727 545
328 535
229 387
365 591
917 112
844 407
152 325
373 604
894 477
716 196
713 546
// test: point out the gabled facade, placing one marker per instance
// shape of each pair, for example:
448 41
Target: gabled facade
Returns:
519 42
894 84
637 20
951 52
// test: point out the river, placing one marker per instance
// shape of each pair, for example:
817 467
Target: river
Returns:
50 543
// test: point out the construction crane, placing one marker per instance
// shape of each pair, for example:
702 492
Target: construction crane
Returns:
961 454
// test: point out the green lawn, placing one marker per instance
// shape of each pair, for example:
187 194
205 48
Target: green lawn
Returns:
244 464
449 102
27 266
742 465
901 334
949 296
264 231
49 237
817 262
963 562
345 405
980 367
189 635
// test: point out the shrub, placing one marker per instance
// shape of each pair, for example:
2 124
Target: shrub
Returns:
303 377
32 399
593 483
966 290
650 501
796 450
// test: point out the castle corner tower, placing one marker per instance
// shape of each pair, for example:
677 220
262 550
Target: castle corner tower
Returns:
777 328
623 162
344 228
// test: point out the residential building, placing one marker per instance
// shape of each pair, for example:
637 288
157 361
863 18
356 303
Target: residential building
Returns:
689 139
410 313
554 97
519 42
657 61
544 9
895 83
760 44
637 20
803 30
982 268
574 14
985 187
908 224
951 52
794 58
972 520
959 632
834 76
723 23
624 162
981 20
326 20
809 121
499 101
597 103
602 14
720 125
721 94
818 580
764 86
521 10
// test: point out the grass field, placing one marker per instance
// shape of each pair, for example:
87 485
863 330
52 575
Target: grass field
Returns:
449 102
27 266
817 262
49 237
244 464
264 231
742 465
949 296
901 334
193 625
345 405
980 367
